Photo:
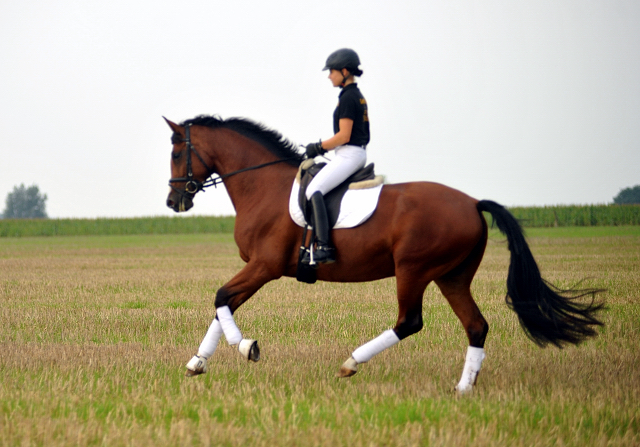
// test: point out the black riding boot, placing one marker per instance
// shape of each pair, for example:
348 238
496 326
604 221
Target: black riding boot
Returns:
324 252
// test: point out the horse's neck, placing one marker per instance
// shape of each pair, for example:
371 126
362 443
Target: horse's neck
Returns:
257 190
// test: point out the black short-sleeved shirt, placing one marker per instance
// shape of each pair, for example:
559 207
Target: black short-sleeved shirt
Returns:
352 105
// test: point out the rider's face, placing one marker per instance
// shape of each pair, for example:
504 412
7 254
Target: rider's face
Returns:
336 77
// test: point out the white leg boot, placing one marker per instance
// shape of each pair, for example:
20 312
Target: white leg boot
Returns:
472 365
248 348
198 364
231 331
366 352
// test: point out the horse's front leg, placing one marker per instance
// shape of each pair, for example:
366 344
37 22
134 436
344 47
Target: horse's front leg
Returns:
228 298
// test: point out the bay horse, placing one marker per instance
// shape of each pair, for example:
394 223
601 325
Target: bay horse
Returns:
420 232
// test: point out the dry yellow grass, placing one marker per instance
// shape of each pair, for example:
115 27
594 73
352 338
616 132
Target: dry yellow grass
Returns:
95 332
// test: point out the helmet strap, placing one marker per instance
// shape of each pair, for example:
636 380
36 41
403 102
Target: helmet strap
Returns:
344 78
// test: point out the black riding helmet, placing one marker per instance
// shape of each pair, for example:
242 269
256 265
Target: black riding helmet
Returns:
344 58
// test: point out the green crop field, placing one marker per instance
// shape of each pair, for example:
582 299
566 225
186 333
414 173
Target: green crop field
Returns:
95 332
571 216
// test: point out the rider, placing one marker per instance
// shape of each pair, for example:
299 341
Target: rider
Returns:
351 129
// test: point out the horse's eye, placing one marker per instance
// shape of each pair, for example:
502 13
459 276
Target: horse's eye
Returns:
175 155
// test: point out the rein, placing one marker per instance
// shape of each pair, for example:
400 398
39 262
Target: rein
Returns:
193 186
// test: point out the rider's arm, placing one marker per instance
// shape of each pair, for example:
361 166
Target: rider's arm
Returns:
342 137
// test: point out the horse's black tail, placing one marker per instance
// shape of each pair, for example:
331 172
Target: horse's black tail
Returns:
546 313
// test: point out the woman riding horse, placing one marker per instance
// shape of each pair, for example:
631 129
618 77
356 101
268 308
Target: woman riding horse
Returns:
420 233
351 128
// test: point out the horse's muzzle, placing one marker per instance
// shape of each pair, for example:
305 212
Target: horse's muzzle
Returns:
179 203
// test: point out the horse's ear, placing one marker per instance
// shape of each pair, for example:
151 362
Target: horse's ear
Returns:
176 128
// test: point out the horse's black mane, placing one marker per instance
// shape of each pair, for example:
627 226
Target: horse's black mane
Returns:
269 138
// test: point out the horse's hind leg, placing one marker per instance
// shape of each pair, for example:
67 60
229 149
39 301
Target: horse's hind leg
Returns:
410 293
455 286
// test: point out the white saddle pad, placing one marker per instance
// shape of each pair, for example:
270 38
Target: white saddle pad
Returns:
356 207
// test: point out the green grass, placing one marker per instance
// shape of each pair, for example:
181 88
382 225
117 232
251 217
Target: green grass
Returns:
140 225
577 215
95 332
575 232
530 217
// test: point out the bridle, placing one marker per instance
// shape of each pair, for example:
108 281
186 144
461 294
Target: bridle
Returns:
192 185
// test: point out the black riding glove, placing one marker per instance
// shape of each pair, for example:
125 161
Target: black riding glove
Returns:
315 149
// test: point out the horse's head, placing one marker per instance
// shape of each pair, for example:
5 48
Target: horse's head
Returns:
229 147
188 173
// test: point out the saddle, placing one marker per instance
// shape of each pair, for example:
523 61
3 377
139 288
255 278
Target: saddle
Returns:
333 199
363 179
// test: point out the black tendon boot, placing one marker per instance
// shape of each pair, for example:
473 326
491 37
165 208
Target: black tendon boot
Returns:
324 252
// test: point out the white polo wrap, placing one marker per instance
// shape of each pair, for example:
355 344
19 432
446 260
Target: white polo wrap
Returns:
383 341
231 331
210 340
472 365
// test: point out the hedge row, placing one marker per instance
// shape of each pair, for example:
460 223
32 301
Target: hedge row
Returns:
141 225
548 216
577 215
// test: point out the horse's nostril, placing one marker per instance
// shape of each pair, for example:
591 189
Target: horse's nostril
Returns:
170 203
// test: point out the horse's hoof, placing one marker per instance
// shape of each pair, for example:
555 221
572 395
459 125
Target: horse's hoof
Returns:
196 366
463 391
249 350
466 384
348 368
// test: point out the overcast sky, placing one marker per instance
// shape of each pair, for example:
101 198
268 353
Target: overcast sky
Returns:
518 101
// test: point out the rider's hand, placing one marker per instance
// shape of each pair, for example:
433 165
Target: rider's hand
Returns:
315 149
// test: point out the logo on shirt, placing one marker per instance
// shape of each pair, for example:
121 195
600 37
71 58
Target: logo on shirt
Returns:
365 116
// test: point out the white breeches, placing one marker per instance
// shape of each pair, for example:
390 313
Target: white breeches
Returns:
347 160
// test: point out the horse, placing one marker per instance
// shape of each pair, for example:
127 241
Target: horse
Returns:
421 232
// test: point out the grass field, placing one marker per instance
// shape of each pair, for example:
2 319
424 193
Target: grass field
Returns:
95 332
531 217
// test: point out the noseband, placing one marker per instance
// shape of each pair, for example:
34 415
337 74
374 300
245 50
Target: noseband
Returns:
193 186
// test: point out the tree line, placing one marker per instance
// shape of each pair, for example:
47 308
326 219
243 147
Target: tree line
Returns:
28 203
25 203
